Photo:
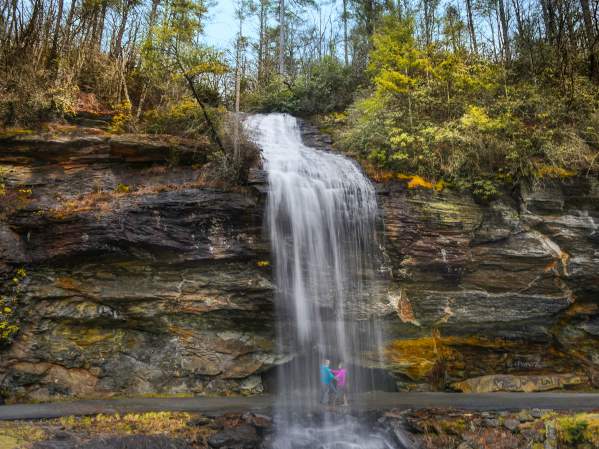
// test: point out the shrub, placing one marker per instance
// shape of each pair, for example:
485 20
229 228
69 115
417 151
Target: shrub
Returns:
122 188
444 114
7 321
8 304
274 96
182 118
29 95
324 86
578 429
122 118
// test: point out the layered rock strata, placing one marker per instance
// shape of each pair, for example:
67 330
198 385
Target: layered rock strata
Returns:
140 278
143 278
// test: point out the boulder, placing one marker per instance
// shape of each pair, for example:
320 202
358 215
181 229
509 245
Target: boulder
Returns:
240 437
528 384
120 442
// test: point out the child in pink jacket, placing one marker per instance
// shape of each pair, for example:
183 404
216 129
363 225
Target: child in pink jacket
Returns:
341 379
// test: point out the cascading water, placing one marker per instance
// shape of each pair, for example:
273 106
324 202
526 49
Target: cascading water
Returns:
321 218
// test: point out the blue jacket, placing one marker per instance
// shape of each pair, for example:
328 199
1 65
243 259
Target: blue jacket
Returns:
326 376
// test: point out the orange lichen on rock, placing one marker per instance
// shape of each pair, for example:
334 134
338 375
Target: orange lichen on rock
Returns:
404 308
417 357
550 171
67 283
418 181
414 181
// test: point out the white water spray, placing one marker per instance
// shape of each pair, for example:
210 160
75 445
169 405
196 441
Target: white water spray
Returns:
322 223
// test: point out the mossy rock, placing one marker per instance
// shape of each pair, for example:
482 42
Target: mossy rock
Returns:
8 442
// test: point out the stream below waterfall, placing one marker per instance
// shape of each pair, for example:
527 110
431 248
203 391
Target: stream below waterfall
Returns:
321 218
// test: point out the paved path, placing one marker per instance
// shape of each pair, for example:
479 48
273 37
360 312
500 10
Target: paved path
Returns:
369 401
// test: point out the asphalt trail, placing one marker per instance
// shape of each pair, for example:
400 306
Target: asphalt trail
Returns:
263 403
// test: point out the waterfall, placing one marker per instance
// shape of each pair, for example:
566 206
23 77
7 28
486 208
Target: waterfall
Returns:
321 218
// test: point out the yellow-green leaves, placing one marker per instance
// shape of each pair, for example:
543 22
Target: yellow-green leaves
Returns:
395 61
212 66
8 324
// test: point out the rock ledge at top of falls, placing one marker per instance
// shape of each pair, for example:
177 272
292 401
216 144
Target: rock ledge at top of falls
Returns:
163 285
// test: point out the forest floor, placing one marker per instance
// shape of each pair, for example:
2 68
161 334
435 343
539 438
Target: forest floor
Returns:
367 401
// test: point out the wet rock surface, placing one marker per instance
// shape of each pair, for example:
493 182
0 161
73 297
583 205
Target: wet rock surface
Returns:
241 437
126 442
389 429
455 429
507 288
143 278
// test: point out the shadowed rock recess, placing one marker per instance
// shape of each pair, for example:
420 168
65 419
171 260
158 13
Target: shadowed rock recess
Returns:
141 278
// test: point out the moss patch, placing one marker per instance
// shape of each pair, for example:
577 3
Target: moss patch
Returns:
16 434
579 429
417 358
14 132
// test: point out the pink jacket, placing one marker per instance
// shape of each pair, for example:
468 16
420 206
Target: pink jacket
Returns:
340 376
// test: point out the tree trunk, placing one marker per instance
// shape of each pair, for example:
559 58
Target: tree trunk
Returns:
281 37
591 38
69 24
369 11
97 26
549 19
345 41
142 99
471 28
153 14
52 62
429 21
118 43
525 37
28 35
505 31
238 88
197 97
261 43
492 27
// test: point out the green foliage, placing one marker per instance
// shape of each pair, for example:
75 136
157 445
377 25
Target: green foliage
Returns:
171 47
444 114
183 118
3 172
28 96
579 430
122 188
325 86
573 431
7 326
121 119
8 303
396 63
274 96
485 190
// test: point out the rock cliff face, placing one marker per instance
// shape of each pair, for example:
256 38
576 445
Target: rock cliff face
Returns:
507 288
140 280
143 278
